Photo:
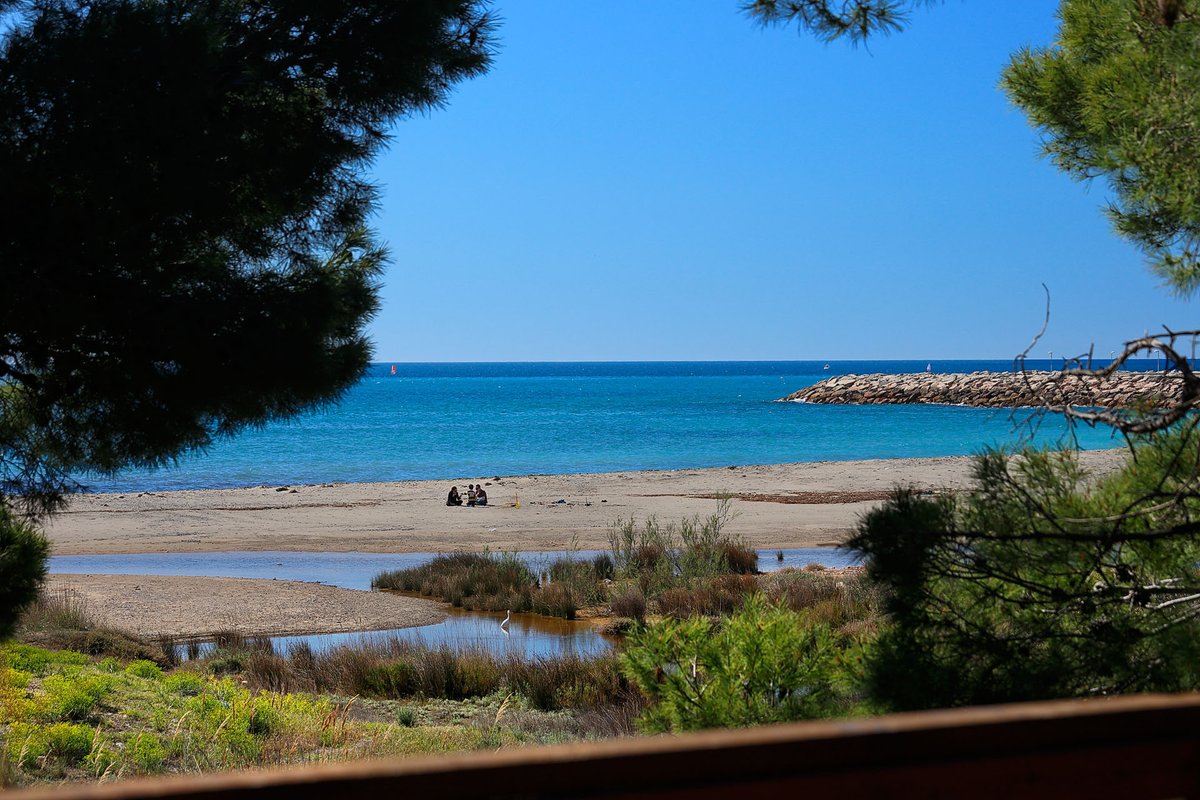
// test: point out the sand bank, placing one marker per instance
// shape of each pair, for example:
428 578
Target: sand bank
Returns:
781 505
198 607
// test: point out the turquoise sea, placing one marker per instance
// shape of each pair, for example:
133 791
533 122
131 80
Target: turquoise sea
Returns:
434 421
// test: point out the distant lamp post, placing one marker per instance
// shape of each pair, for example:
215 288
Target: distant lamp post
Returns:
1051 359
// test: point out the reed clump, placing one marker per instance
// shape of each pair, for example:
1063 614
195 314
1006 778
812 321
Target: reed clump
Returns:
503 582
848 603
711 597
661 557
399 669
62 620
474 581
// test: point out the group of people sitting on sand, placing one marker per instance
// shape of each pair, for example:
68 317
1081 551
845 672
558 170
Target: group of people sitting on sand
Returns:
476 496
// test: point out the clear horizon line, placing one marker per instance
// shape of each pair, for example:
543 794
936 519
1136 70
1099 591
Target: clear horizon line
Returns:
721 360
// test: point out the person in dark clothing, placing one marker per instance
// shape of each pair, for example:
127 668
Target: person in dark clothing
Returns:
480 496
454 498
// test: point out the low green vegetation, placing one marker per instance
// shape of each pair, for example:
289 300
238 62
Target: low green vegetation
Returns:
68 716
764 663
1041 582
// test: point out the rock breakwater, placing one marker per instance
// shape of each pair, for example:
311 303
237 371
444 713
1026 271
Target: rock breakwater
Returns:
994 389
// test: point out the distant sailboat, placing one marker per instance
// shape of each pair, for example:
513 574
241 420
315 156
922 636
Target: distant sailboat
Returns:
393 369
929 367
826 367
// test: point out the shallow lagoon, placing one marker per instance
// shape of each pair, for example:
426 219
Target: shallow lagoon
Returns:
529 634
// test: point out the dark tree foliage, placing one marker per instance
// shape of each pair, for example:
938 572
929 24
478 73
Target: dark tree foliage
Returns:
184 248
856 20
1041 582
23 552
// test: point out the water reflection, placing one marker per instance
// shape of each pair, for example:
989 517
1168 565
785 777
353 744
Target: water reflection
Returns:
528 635
352 570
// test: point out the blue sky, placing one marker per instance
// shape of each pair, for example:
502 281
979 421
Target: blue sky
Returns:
668 181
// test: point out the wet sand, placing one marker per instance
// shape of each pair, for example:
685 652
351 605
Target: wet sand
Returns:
199 607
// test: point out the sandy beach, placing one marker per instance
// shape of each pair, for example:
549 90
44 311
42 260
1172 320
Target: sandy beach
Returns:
199 607
782 505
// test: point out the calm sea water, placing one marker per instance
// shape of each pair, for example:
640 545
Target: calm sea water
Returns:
433 421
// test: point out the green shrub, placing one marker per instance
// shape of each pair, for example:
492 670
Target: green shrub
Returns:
73 698
145 669
65 743
38 660
264 717
108 664
184 683
763 664
23 552
660 557
406 717
1041 581
145 752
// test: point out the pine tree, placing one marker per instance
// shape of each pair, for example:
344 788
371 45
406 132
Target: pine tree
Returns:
184 250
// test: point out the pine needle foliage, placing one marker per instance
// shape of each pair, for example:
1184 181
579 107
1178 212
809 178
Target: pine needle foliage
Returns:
1040 582
184 248
1117 96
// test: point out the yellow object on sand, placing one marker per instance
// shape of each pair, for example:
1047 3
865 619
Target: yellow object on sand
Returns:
516 497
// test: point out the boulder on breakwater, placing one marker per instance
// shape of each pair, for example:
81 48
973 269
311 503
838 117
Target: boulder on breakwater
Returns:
995 389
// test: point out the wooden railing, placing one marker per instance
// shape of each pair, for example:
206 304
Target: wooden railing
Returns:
1131 747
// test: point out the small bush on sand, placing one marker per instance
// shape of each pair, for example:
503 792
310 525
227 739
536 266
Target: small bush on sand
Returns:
476 581
629 602
60 610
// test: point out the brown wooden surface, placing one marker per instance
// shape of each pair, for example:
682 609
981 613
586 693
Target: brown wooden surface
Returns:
1131 747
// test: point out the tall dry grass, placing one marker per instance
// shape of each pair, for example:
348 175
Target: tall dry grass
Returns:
395 668
62 620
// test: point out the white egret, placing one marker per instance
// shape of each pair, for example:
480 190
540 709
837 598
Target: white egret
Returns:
506 619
